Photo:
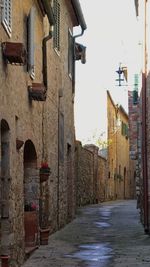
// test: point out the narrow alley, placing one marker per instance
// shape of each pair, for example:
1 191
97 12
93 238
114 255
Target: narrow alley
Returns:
102 235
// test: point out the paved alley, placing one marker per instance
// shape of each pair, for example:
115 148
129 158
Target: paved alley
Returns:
102 235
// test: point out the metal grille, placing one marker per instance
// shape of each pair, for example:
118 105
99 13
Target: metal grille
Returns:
56 7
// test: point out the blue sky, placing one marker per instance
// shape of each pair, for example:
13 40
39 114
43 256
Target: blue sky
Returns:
110 38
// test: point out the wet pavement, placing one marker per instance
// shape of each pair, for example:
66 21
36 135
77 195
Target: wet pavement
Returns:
102 235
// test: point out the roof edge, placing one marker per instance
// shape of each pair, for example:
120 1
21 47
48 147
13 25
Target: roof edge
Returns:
79 14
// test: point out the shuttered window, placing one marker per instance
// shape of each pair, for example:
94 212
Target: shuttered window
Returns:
7 16
70 54
30 42
124 129
56 9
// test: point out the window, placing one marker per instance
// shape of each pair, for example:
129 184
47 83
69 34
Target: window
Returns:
70 54
124 129
56 8
30 42
7 16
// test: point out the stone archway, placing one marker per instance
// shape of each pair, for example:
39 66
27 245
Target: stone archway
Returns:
5 187
31 195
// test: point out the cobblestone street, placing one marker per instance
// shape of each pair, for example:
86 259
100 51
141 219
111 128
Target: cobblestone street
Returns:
102 235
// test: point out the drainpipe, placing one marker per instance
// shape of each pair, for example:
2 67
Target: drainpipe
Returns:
74 58
51 20
82 23
44 45
50 16
144 134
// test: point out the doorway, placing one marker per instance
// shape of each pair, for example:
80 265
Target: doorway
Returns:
31 195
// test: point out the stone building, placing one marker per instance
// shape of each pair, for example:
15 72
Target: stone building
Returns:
37 87
142 9
121 175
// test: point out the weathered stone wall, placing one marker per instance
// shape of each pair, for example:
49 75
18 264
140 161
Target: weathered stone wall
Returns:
84 175
38 122
102 181
91 175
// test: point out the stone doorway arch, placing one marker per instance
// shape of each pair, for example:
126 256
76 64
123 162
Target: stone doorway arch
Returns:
5 187
31 195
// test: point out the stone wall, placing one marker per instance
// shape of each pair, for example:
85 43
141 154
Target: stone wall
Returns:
102 182
38 123
91 175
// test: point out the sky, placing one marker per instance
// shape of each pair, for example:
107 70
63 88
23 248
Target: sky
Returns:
111 38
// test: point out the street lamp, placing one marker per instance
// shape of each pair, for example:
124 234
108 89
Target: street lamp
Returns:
122 71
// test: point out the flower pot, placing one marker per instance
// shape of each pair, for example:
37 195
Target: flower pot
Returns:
44 235
4 260
44 177
31 228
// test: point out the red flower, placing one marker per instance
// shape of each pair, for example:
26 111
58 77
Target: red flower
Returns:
44 165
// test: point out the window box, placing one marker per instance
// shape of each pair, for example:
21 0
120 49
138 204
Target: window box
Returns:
37 92
14 53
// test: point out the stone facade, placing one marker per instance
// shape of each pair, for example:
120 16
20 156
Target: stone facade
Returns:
121 177
143 8
91 175
35 131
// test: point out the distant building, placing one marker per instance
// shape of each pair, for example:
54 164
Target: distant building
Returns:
121 170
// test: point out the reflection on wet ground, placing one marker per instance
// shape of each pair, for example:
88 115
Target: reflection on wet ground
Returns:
99 253
102 224
96 254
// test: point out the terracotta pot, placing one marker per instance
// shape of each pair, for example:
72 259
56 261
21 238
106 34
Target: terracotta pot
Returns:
44 177
44 235
4 260
31 228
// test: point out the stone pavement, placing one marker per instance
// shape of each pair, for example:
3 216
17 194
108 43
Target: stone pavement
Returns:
102 235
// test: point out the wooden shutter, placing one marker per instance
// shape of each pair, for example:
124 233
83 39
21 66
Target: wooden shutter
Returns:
56 7
70 54
31 29
7 16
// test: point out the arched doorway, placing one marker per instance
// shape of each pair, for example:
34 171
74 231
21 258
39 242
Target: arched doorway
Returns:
31 195
5 187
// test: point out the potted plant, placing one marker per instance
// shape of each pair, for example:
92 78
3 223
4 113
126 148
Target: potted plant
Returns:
45 171
31 224
44 234
4 260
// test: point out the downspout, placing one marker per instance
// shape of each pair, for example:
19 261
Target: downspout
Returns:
144 132
74 58
44 49
44 46
83 26
49 12
50 17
